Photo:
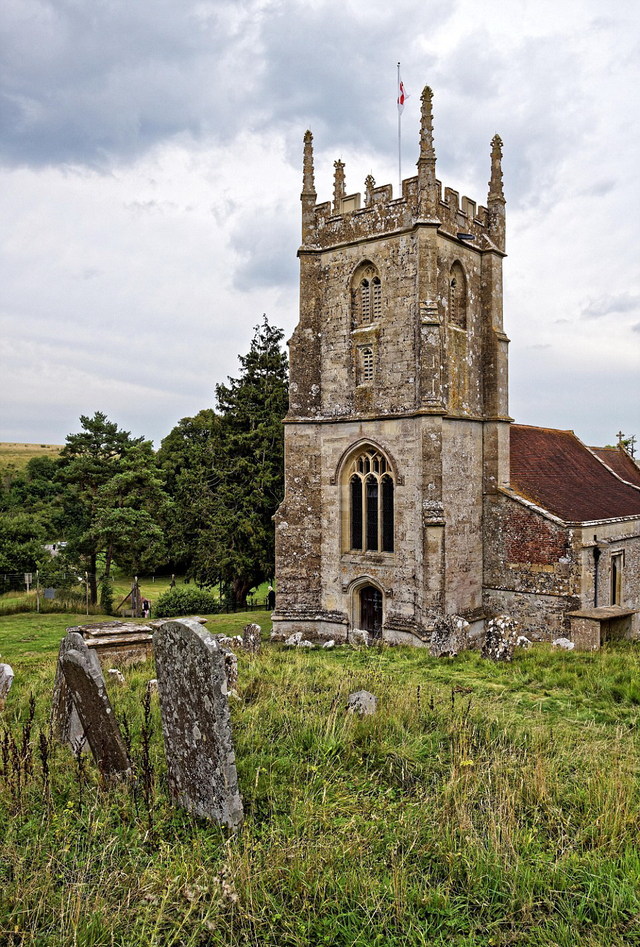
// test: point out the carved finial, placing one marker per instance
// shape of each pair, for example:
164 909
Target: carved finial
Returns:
496 201
426 124
308 184
338 186
369 184
427 187
496 191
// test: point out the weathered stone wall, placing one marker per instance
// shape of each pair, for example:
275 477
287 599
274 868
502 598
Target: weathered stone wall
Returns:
531 567
462 499
611 539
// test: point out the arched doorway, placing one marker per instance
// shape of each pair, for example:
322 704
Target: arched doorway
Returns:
371 610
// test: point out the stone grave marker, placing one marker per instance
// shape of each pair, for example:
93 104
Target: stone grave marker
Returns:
96 714
362 702
6 680
65 722
251 640
501 638
450 636
196 724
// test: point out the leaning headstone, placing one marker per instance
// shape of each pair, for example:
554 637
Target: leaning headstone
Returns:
96 715
65 722
196 725
359 638
501 638
450 635
6 680
251 638
361 702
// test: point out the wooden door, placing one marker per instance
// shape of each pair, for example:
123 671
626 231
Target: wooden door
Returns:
371 610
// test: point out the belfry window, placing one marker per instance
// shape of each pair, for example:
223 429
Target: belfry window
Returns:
371 503
365 367
366 296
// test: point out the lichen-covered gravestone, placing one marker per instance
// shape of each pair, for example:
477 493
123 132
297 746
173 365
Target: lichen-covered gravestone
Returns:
96 714
501 638
6 680
361 702
65 722
450 636
251 638
196 724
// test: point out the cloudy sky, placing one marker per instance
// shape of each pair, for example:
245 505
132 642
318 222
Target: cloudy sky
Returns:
150 157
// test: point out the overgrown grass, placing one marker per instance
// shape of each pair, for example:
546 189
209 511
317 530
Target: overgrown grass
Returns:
482 805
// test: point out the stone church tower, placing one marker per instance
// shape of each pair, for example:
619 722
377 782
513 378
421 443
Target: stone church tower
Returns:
397 432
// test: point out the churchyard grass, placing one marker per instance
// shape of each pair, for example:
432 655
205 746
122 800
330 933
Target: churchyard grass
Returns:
483 804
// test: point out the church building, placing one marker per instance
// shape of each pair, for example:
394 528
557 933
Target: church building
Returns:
410 494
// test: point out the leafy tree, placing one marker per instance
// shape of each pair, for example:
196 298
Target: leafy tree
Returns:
113 498
22 538
225 472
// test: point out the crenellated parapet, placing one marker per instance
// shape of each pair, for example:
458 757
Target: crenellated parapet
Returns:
376 212
357 217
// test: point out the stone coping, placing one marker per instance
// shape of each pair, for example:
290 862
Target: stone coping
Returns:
604 612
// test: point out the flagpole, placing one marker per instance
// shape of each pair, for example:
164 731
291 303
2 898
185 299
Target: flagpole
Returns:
399 141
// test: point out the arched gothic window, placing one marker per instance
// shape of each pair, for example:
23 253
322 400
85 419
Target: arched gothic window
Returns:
371 503
457 296
366 295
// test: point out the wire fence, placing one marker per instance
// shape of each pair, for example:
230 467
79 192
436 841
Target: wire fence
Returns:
65 590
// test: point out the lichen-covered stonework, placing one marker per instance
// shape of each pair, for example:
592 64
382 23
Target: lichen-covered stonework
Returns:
433 404
196 724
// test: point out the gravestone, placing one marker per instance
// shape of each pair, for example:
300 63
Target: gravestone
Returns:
501 638
359 638
65 722
450 635
361 702
251 640
196 724
96 715
6 680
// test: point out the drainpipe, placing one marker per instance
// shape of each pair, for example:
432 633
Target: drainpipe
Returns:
597 552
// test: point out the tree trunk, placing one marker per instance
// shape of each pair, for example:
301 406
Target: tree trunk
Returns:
107 562
93 579
240 591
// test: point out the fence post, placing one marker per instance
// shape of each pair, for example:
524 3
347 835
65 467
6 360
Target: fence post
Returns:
37 590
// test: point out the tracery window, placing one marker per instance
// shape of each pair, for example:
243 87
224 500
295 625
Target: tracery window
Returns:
366 295
457 296
371 503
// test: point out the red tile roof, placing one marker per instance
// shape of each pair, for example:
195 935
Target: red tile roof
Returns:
619 461
556 471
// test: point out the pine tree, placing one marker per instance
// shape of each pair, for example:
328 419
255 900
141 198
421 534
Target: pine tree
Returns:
226 472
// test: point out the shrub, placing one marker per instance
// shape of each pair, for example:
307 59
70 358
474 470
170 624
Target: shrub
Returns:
106 597
185 601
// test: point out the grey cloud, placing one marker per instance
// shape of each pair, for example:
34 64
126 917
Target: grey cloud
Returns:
608 305
266 241
636 327
96 83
